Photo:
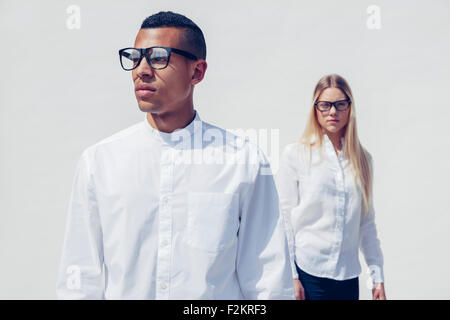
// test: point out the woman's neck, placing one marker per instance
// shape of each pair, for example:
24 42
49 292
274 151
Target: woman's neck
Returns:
335 138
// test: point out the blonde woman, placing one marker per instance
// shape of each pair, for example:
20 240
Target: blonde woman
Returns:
325 189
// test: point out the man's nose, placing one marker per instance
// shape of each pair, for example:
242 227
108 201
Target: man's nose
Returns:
144 70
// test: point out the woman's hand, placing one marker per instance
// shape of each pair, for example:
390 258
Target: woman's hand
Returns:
298 289
378 291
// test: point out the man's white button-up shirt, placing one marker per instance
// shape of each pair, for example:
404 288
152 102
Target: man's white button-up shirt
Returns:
191 214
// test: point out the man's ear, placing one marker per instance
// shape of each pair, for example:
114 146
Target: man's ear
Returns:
199 71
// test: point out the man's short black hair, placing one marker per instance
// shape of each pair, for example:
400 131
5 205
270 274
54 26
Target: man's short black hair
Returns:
193 40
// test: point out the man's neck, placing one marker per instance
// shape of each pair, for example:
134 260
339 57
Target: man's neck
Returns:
171 121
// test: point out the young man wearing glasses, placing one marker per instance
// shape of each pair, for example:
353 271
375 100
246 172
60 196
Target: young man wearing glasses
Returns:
173 207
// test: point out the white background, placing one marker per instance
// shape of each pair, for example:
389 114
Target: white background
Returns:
62 90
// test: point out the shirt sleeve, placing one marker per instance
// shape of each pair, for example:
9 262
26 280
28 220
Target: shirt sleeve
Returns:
287 185
263 266
369 242
81 269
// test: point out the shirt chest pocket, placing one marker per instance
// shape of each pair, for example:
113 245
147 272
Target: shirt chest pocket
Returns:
213 220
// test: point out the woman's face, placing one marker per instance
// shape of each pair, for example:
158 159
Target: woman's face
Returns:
332 121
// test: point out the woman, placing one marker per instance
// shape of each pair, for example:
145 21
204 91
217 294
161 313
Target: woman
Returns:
325 188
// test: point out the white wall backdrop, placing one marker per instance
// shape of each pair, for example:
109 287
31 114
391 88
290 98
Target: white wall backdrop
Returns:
62 89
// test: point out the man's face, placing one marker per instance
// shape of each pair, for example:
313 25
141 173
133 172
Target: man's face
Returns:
171 88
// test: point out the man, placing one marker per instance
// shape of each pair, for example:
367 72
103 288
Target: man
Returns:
173 207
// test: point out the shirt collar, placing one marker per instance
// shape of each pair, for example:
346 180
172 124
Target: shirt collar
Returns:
173 138
330 148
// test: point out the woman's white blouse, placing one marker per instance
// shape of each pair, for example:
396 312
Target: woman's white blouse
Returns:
323 214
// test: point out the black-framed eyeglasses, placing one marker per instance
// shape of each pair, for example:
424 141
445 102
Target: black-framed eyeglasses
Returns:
157 57
340 105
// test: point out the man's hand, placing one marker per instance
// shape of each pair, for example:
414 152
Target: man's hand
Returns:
378 291
298 289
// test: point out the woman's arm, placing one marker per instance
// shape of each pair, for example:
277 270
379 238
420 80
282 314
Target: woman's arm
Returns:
370 247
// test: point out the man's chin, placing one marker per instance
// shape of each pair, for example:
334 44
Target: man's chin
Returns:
145 106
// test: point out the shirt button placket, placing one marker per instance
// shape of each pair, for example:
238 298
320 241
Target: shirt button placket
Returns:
340 209
165 224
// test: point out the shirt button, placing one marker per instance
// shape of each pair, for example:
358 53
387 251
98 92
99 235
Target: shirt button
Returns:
165 243
163 286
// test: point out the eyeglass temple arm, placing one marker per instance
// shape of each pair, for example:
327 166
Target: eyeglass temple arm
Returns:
184 53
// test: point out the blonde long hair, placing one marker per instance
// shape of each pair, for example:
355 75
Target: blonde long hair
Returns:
353 150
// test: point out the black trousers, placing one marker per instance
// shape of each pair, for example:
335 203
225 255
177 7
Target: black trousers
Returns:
317 288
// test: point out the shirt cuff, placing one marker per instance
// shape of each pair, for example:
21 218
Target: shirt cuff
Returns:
376 273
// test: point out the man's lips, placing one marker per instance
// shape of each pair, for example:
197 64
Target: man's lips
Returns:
145 91
138 88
